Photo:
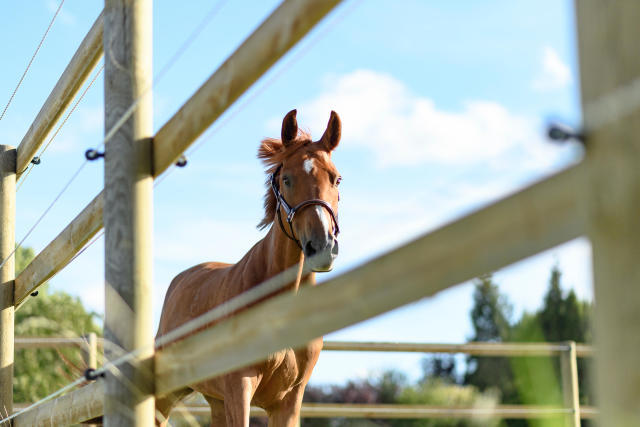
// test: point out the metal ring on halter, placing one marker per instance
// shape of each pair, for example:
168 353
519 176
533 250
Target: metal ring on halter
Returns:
291 212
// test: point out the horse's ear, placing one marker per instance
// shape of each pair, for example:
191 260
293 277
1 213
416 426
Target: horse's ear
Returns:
289 128
331 136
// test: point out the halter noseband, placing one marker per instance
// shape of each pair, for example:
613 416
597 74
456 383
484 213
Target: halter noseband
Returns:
291 212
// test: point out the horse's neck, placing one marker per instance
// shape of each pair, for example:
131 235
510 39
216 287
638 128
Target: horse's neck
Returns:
273 255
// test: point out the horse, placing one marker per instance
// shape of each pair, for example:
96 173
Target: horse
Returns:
302 187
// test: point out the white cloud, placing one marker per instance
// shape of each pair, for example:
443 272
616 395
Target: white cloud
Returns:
555 74
380 114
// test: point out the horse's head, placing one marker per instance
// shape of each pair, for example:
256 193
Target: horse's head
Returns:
302 193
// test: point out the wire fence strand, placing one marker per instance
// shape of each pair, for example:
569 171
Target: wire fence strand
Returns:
127 114
64 121
253 295
33 57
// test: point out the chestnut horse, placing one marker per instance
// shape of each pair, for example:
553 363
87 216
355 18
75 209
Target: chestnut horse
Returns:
303 189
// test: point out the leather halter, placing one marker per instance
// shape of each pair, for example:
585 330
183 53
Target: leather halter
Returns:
291 211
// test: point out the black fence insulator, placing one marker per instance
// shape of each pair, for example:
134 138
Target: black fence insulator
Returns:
562 133
34 294
92 154
91 375
35 160
182 162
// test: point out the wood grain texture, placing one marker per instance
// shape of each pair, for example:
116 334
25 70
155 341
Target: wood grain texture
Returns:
537 218
608 34
57 254
269 42
79 405
7 272
127 214
82 63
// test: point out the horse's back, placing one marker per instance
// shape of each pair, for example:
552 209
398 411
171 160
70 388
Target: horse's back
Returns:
189 294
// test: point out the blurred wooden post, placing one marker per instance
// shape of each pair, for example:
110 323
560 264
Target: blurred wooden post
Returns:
90 352
608 34
127 218
7 274
570 390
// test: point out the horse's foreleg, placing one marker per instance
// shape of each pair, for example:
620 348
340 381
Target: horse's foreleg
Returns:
218 417
237 399
287 412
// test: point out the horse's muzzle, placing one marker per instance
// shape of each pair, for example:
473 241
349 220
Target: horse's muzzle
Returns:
319 255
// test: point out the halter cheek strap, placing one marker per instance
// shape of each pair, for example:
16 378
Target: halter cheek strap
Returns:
291 212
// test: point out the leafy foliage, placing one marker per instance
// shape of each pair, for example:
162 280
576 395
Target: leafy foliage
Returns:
392 387
39 372
529 380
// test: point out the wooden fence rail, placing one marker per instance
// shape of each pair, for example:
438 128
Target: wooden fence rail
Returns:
313 410
70 82
383 411
508 349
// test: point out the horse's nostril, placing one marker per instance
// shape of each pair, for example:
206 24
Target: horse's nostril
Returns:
309 250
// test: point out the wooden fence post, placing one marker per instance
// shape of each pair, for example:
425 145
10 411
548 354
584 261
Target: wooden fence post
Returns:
127 214
570 390
90 351
608 34
7 274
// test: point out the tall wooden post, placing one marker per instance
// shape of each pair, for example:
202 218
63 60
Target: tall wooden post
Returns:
570 390
608 34
127 213
7 274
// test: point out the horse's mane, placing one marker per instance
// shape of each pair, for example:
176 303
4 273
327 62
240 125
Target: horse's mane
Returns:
272 153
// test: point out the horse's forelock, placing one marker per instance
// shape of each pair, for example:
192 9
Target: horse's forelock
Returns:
272 153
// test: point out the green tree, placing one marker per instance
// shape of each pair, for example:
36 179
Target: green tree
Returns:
490 320
565 318
39 372
561 318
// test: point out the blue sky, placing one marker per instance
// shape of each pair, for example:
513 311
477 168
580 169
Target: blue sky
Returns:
443 106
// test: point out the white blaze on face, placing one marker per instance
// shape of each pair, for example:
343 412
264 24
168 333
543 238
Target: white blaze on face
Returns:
322 214
308 166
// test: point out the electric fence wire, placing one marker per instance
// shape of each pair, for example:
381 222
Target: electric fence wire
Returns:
33 57
127 114
24 175
296 57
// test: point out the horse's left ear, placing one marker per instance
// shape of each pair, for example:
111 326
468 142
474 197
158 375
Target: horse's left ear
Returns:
289 128
331 136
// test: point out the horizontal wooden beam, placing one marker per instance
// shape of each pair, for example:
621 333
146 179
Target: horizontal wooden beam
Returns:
74 407
70 82
309 410
471 348
53 342
397 411
277 34
57 254
537 218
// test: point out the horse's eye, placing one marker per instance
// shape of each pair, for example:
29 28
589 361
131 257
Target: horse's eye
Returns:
285 181
338 181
